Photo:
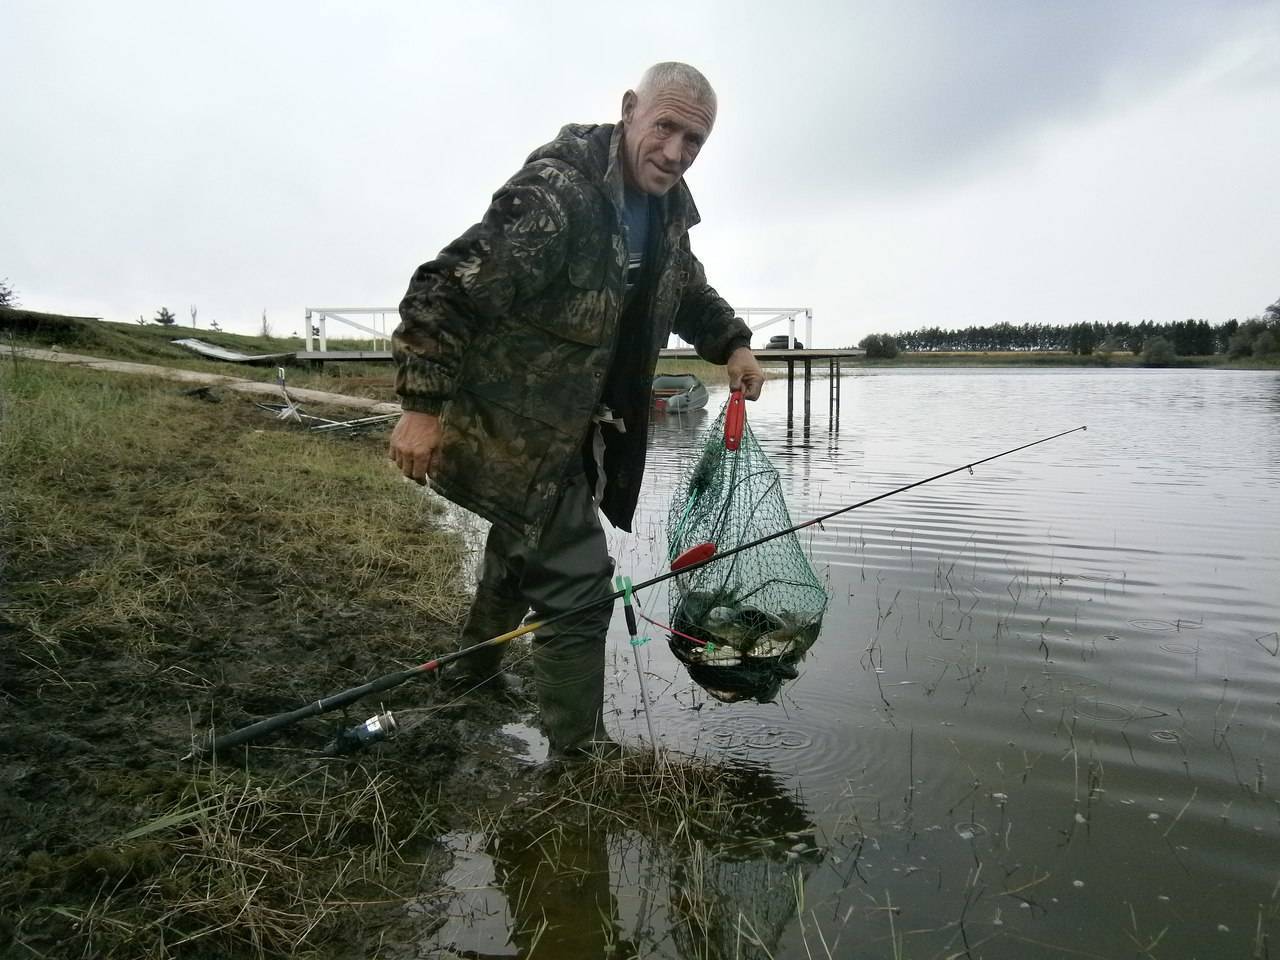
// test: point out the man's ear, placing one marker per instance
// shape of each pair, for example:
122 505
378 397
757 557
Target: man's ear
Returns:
628 105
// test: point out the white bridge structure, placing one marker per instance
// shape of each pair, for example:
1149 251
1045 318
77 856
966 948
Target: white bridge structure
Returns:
378 323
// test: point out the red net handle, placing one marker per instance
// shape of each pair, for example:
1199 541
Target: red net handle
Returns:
735 418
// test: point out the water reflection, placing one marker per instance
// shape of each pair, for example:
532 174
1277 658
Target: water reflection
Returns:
720 875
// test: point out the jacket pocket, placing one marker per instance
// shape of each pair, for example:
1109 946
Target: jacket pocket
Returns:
581 313
498 463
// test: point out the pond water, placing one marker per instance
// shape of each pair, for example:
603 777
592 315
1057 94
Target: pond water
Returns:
1042 717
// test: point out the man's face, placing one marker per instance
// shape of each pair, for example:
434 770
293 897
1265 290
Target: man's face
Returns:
661 138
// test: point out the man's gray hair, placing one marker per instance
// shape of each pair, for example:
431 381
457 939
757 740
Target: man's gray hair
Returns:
673 75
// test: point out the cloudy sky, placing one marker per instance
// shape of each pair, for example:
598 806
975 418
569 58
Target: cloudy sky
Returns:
888 164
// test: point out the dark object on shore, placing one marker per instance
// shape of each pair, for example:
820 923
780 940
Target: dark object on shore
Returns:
782 342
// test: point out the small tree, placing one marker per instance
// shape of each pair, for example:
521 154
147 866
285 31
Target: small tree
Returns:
193 316
8 295
879 346
1158 352
164 316
1264 344
1240 344
266 327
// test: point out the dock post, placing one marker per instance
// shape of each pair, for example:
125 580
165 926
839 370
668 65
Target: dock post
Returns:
791 389
837 418
831 394
808 379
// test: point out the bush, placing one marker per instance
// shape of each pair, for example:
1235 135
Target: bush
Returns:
879 346
1158 352
1265 344
1240 344
165 317
46 328
8 296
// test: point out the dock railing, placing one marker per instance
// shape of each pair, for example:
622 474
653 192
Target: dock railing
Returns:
318 318
761 318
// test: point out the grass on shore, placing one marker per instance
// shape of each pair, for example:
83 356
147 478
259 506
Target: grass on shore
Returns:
147 502
173 560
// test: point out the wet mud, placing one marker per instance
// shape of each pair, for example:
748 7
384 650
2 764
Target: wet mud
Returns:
238 605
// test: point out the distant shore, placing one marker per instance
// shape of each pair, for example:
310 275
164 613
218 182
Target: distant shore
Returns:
151 343
774 368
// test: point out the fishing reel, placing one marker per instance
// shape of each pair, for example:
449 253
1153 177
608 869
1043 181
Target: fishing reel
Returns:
379 727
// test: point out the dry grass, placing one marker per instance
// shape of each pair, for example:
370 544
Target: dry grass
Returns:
133 506
237 868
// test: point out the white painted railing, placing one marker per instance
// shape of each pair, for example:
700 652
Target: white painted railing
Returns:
760 318
317 324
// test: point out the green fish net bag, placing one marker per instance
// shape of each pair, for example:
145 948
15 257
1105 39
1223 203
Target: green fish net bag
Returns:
741 623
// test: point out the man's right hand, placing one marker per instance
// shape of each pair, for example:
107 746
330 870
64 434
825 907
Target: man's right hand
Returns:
414 443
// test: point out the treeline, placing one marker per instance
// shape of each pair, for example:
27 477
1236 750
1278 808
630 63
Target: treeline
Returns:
1257 336
1187 337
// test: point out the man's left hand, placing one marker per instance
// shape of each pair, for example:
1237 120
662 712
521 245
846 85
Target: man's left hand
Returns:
745 373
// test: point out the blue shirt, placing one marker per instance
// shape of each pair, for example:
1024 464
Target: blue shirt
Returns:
635 217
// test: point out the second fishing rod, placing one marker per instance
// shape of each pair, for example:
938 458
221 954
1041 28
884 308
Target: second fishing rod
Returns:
687 562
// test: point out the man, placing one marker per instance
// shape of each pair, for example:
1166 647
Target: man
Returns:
524 356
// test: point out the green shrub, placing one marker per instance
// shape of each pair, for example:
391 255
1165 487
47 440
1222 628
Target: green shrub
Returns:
879 346
1240 344
1158 352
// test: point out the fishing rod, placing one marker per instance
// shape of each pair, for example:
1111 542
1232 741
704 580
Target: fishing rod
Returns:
692 559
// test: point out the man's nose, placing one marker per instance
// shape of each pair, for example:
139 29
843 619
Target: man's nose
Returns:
673 150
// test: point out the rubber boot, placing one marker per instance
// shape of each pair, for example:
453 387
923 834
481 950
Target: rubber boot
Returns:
569 671
492 614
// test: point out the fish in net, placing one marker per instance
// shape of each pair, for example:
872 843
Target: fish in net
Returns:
742 623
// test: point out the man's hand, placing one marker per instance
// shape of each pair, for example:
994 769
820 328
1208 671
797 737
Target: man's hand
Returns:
414 442
745 373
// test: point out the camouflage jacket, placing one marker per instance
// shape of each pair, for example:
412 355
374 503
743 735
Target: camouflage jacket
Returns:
508 334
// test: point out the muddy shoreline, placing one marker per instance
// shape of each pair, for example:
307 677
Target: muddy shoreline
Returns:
181 564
